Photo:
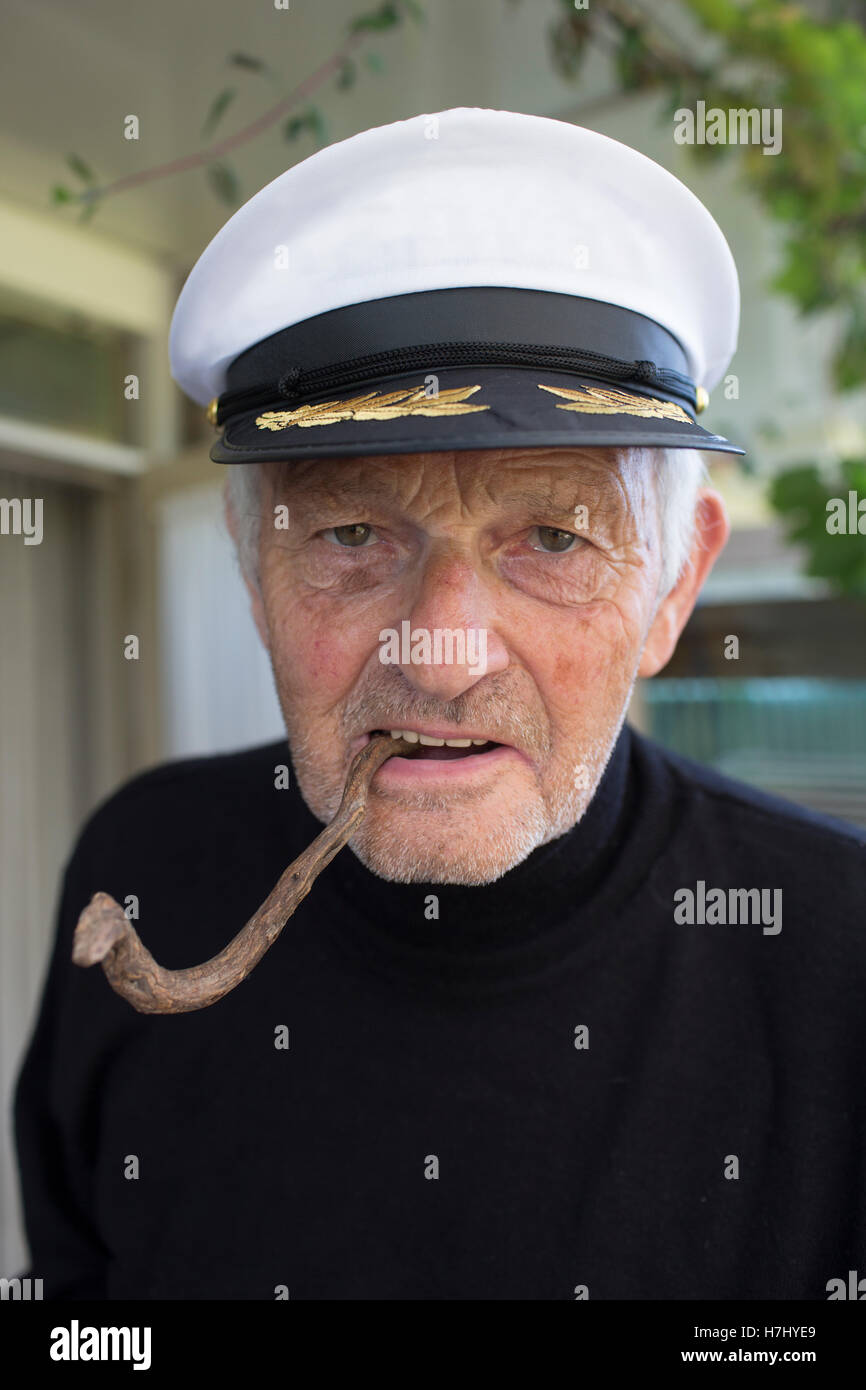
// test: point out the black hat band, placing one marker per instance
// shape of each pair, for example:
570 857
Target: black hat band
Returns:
509 327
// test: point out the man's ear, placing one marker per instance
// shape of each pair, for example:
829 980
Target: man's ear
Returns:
712 529
255 596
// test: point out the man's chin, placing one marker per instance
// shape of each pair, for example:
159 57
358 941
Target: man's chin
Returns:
404 850
470 839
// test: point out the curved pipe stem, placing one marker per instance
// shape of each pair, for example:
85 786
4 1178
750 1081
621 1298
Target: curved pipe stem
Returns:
105 934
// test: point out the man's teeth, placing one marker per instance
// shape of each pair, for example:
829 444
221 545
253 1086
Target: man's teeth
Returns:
411 737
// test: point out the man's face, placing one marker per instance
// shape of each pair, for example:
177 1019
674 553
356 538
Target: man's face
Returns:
554 556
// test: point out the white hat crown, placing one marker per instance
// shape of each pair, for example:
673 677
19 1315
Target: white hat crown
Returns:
463 197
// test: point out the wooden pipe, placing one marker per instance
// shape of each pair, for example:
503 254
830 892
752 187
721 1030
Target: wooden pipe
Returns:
104 934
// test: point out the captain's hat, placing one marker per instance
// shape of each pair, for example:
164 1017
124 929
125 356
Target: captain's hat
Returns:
466 280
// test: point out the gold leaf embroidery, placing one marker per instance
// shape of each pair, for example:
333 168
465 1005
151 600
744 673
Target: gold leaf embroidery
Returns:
374 405
601 400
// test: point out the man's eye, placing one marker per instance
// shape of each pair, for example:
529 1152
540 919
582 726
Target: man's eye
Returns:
556 542
351 536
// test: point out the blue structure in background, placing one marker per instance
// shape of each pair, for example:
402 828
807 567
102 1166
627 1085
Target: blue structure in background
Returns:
801 738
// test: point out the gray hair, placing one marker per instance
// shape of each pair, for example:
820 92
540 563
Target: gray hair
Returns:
679 475
243 492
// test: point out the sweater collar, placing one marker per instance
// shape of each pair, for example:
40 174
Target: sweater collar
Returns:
530 914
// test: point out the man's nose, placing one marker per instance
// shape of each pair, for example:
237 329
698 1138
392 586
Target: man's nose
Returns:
447 642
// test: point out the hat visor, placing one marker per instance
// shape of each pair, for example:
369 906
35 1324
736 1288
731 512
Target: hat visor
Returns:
464 408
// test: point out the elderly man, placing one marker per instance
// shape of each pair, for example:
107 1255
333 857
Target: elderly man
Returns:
476 542
570 1017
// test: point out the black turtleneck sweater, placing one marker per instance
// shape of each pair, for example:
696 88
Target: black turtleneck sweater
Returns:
555 1089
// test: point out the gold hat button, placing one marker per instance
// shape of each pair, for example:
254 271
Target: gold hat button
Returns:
211 411
702 399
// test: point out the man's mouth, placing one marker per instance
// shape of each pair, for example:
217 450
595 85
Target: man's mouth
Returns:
443 759
428 748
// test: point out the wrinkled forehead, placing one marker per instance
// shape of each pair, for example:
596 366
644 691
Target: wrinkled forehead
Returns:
619 479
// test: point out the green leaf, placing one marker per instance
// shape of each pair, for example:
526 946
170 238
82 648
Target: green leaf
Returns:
224 183
311 119
245 60
385 17
569 42
294 126
316 123
78 166
347 75
61 194
801 496
804 275
633 59
219 106
796 489
849 365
